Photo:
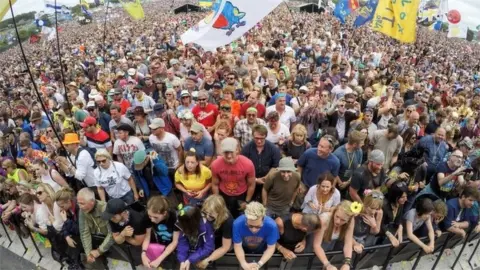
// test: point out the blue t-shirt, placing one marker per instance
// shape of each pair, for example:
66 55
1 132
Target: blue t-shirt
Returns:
455 213
255 243
348 161
444 190
434 152
313 166
202 149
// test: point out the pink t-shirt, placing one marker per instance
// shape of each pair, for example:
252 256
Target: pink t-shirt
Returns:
233 177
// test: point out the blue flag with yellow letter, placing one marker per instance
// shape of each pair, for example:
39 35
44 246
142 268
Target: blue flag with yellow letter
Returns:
341 10
365 13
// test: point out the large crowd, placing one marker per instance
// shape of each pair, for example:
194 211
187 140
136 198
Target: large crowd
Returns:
304 135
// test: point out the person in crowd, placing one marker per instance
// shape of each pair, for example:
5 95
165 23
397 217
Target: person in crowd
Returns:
127 225
140 125
440 116
340 118
264 155
460 213
103 119
297 144
48 175
222 131
186 102
435 149
350 156
95 137
412 123
371 175
114 178
285 112
281 187
277 131
166 145
253 102
193 179
151 174
243 128
205 113
393 210
143 100
316 161
35 213
233 176
254 232
162 235
90 223
196 240
336 228
322 197
215 211
13 173
126 145
118 117
119 101
293 229
368 223
389 142
415 218
202 145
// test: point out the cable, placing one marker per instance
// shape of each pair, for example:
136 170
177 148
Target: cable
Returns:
61 67
33 81
105 36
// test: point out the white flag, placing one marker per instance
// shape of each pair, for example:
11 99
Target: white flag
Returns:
228 21
458 30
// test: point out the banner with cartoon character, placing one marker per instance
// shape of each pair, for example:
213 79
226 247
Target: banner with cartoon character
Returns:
228 21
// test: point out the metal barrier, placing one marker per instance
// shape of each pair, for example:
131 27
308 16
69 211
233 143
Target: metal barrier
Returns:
380 255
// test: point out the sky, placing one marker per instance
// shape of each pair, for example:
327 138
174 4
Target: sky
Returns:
469 9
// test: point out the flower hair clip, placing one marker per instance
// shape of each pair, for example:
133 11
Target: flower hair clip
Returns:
182 209
367 192
356 208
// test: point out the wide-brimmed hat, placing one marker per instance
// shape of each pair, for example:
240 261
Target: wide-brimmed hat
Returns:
286 164
71 138
35 116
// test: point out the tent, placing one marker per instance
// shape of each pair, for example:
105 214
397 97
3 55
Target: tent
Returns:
311 8
187 8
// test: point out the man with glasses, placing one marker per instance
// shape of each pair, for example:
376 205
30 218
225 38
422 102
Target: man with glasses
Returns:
233 177
231 80
369 176
205 113
339 91
252 102
103 119
316 161
340 118
256 233
243 128
202 145
119 100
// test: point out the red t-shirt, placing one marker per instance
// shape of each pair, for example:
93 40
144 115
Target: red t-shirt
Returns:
124 105
260 110
206 116
232 178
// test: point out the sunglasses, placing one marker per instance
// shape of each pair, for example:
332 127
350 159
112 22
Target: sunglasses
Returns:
176 86
225 108
231 78
135 92
344 81
168 94
303 92
39 193
201 99
102 161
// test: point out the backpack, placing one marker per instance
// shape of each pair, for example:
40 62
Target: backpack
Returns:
91 152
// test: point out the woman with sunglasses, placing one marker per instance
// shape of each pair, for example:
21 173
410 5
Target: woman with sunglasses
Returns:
114 178
46 195
196 241
171 102
215 211
228 95
161 238
368 223
226 116
48 175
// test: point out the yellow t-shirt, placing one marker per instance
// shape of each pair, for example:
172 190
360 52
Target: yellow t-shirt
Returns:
194 182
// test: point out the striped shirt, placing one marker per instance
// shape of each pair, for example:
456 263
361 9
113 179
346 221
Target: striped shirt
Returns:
99 140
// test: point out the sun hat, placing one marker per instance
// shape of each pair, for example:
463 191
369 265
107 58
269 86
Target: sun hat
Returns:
287 164
196 127
71 138
35 116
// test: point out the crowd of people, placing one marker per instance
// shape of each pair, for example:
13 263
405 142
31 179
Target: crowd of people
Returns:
304 135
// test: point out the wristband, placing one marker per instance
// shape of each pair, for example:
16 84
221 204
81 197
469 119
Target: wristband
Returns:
260 263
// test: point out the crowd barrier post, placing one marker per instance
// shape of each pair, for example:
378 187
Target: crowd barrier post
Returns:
21 240
387 259
473 253
35 245
6 232
465 242
444 246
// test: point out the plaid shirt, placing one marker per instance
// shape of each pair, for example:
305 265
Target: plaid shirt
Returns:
243 131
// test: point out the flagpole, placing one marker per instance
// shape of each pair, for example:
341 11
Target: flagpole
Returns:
105 36
34 83
61 67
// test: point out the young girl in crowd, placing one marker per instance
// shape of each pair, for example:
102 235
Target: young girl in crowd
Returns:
193 179
336 226
48 176
297 144
215 211
368 223
323 197
161 238
196 240
35 213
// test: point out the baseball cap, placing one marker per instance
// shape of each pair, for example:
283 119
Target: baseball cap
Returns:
303 88
89 121
132 71
114 207
196 127
185 93
157 123
229 145
138 159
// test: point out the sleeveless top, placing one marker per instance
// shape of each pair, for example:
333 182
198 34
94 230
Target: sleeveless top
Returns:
361 230
14 176
291 236
47 179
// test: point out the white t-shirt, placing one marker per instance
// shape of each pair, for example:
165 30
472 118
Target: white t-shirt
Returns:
40 215
47 179
287 117
127 149
166 148
114 179
283 132
85 171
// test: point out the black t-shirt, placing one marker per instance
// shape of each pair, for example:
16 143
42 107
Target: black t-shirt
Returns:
225 231
431 127
443 191
363 179
135 219
162 233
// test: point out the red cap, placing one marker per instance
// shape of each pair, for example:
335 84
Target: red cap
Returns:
88 122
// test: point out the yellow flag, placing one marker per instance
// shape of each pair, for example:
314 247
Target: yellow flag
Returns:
134 8
397 19
5 7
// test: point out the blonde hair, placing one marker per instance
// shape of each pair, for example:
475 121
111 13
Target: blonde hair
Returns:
299 129
216 204
64 194
254 211
344 206
47 189
374 200
103 153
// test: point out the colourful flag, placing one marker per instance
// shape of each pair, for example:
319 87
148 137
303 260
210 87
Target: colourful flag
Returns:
85 8
5 7
458 30
205 3
341 10
228 21
365 13
134 8
397 19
